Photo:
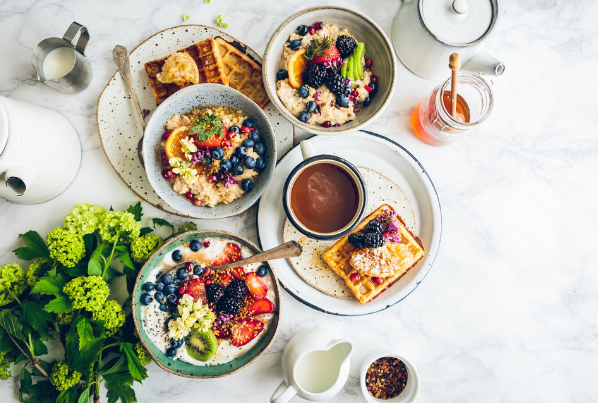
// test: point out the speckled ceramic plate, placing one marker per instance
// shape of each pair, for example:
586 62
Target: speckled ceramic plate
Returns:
382 155
182 368
311 267
117 121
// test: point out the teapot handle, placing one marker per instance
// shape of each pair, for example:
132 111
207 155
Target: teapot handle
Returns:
283 393
70 34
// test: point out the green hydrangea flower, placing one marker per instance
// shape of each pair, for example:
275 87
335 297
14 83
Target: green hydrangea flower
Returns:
144 357
4 367
12 283
88 293
119 225
112 315
84 218
145 246
37 269
66 247
63 378
65 318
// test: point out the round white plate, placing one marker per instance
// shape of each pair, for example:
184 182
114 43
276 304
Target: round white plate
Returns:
118 124
372 151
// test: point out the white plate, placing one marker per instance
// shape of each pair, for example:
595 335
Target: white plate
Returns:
391 160
118 124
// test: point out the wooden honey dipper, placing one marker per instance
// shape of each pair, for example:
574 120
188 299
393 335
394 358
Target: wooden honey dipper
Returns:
454 65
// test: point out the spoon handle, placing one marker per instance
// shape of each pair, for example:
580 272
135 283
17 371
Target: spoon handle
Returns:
289 249
121 57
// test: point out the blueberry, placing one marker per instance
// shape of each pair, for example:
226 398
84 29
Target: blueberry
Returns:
295 44
177 255
167 278
304 116
149 286
247 185
367 101
234 129
195 245
248 143
238 170
163 307
255 136
348 90
302 30
197 270
176 282
171 352
170 289
249 162
260 164
241 152
262 271
374 87
249 123
145 299
159 287
158 274
303 91
182 273
207 161
217 153
259 148
172 299
159 296
342 101
176 343
225 165
282 74
310 107
234 160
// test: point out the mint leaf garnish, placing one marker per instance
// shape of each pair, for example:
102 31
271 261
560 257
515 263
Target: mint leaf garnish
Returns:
207 126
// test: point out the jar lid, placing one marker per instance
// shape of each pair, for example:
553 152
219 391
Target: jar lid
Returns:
458 22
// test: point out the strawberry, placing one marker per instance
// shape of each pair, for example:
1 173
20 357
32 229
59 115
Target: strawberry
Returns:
321 52
238 273
214 141
197 289
230 253
222 332
260 306
246 330
255 285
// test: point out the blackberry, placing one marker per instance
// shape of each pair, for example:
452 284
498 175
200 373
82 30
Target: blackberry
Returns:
317 75
236 289
373 227
346 46
336 84
214 292
374 240
229 305
357 240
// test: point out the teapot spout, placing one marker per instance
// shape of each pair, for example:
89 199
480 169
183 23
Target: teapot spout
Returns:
18 179
485 63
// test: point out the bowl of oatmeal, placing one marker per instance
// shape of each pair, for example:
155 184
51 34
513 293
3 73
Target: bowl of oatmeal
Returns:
209 151
329 70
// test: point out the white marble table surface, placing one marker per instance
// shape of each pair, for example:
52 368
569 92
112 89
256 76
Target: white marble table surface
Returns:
509 312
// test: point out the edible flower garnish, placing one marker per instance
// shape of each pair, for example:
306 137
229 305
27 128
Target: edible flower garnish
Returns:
392 232
188 147
199 156
190 315
185 17
145 112
229 180
220 22
317 96
334 64
183 168
207 126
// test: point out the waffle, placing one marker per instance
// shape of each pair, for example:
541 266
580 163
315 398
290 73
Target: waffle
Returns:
242 73
364 290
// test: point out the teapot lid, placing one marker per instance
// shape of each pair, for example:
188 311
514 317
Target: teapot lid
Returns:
459 22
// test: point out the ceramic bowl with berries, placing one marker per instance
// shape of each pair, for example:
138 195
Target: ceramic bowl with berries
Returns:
329 70
204 323
209 151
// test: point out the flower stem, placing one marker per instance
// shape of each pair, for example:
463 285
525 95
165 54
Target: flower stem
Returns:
32 360
14 296
111 258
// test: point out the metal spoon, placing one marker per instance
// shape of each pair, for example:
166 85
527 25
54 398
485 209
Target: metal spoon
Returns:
121 57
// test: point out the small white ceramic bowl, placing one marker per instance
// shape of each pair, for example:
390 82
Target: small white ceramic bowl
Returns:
408 395
378 48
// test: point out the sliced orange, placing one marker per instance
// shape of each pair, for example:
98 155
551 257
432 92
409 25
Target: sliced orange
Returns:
297 65
173 146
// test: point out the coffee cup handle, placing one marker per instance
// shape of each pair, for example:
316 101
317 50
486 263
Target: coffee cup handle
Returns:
306 149
283 393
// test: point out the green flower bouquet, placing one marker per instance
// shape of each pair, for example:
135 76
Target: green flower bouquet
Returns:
64 296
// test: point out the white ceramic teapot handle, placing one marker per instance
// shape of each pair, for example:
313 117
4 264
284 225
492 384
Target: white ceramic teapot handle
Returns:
306 149
284 392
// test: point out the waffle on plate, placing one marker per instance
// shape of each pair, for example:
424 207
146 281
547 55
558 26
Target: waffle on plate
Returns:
367 287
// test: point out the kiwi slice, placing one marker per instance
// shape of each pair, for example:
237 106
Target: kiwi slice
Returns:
201 345
344 68
359 60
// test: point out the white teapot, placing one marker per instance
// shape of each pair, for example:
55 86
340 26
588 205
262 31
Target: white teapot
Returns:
426 32
315 366
40 152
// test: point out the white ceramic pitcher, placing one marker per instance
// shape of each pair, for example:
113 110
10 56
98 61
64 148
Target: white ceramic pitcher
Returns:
315 366
40 152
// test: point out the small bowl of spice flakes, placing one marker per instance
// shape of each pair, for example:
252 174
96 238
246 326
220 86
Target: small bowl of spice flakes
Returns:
388 377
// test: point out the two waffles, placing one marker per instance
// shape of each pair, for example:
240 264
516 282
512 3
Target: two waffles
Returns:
218 62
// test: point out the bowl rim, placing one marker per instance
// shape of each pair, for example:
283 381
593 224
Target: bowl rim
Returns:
370 358
134 301
173 99
315 129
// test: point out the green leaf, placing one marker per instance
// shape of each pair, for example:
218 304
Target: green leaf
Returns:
26 380
96 262
161 222
35 317
11 324
84 397
136 210
36 247
50 285
67 396
207 126
43 392
119 387
60 304
126 259
118 366
145 230
39 348
79 270
88 240
131 279
46 366
82 360
138 372
111 274
85 332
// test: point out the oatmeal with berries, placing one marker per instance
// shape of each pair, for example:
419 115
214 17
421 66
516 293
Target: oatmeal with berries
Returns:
324 77
212 155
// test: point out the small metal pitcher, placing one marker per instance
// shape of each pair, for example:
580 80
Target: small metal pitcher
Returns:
80 75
